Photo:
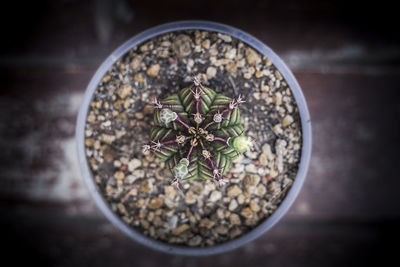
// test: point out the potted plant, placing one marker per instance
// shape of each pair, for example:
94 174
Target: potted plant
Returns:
218 175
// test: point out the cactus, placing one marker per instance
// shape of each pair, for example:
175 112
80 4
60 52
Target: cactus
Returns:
197 133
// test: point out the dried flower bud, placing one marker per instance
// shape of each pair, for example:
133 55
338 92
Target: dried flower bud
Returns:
202 131
180 139
206 154
217 117
241 143
194 142
210 137
180 171
167 115
192 130
197 118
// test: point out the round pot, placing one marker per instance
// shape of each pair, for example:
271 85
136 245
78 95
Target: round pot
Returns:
306 137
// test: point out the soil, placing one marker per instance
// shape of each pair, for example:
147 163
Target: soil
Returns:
137 185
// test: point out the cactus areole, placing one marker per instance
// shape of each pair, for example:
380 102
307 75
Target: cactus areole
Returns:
197 133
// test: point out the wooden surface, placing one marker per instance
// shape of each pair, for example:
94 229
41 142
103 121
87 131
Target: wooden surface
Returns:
347 63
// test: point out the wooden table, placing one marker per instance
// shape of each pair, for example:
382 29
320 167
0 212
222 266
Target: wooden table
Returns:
346 62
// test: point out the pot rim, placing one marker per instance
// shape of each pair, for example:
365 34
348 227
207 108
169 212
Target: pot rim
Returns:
305 124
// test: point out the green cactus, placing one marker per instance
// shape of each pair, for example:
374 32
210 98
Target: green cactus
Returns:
197 133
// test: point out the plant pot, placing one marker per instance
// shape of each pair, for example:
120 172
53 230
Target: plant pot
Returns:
288 77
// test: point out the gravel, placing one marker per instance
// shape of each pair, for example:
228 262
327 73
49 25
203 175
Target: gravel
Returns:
137 186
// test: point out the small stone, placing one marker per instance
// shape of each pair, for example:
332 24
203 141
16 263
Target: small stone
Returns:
132 192
172 222
216 195
121 208
182 228
234 191
221 230
263 159
261 190
220 213
170 192
190 199
150 216
169 203
231 67
246 212
146 187
106 124
148 109
182 45
139 77
238 168
251 180
286 182
235 232
278 99
251 168
153 70
231 53
124 90
254 206
157 220
145 224
280 147
225 38
207 223
135 63
155 203
264 87
261 171
140 202
119 175
134 164
273 173
206 44
251 221
139 115
211 72
241 63
195 241
144 47
287 120
233 205
209 187
278 75
197 188
164 53
91 118
213 50
241 199
274 188
247 75
89 142
106 138
252 57
166 43
234 219
106 78
266 150
138 173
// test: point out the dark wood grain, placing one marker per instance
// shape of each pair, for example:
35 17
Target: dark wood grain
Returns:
347 63
82 240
